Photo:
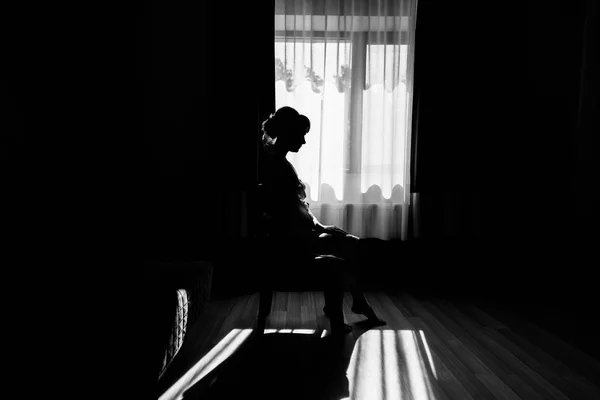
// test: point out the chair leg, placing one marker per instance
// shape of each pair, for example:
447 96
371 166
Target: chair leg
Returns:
265 302
334 301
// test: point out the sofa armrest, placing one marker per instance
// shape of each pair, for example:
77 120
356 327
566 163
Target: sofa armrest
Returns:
184 288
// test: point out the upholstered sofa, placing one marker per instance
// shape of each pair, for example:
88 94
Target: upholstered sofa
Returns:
180 291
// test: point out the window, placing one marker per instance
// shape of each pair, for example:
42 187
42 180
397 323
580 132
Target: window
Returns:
323 93
347 65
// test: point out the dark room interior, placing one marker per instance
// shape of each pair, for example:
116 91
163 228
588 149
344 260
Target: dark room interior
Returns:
502 163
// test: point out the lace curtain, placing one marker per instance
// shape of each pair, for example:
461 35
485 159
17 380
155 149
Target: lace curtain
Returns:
348 66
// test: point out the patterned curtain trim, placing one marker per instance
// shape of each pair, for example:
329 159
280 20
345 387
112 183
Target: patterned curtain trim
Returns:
342 80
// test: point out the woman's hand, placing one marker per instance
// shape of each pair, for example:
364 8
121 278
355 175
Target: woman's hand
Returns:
330 229
334 230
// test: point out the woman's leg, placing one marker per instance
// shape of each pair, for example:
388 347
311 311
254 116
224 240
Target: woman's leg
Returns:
349 248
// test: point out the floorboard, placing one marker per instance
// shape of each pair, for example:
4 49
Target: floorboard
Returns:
464 351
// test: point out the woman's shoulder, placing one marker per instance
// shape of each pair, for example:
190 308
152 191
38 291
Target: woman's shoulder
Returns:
272 169
272 163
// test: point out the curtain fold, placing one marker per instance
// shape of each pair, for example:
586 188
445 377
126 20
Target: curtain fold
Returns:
347 66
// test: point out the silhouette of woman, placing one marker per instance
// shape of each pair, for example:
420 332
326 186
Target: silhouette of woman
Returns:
287 215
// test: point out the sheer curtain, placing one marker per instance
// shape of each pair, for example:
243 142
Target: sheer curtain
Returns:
348 66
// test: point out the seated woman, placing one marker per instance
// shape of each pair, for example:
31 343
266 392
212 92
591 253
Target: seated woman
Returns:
288 216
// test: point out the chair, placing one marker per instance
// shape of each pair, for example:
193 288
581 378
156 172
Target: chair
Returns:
282 271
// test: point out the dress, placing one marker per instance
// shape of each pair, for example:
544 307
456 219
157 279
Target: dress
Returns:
285 212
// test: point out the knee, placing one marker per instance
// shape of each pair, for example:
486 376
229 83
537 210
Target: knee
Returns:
331 266
350 243
352 239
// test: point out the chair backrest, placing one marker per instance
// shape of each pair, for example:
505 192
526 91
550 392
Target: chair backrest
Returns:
261 218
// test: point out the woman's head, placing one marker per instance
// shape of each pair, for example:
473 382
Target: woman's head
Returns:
288 127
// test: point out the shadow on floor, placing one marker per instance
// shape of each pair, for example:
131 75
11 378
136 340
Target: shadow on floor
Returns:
281 365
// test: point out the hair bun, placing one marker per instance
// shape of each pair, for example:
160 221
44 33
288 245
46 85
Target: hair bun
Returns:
284 117
268 126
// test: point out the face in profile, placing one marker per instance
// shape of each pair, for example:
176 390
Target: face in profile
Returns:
291 128
297 139
298 133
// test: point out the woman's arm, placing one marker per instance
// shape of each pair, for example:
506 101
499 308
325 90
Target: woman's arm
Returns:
319 227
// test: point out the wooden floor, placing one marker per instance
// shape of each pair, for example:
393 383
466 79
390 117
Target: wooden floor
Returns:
430 349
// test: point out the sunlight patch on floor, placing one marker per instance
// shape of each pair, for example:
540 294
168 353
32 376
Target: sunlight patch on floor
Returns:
368 381
428 351
385 363
216 356
391 382
390 364
417 372
210 361
292 331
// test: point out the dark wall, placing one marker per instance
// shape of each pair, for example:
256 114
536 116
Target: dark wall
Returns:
507 110
202 88
202 69
503 165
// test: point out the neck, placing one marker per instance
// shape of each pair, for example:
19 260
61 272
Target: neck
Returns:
281 151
